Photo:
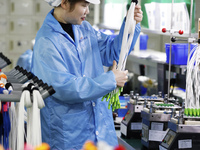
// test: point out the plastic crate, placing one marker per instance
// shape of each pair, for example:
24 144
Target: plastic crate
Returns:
143 41
179 53
122 112
123 102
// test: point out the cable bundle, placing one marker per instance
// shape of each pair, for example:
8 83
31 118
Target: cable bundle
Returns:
33 123
26 94
193 83
25 99
126 44
13 131
33 117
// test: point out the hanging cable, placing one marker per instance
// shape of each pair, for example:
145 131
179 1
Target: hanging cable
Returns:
20 127
33 124
192 83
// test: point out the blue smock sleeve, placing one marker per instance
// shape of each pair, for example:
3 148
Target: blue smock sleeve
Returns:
25 59
110 47
50 66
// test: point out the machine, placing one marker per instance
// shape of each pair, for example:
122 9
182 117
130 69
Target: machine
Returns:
155 122
183 133
131 125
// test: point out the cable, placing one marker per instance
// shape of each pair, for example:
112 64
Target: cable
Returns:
33 124
25 99
128 34
192 83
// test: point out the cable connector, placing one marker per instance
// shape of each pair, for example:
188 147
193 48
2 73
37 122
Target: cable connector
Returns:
135 1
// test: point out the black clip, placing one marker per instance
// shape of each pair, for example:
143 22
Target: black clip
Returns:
198 41
135 1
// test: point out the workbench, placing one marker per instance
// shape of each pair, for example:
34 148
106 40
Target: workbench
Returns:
130 144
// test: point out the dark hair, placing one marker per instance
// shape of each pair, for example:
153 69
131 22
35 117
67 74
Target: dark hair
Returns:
72 3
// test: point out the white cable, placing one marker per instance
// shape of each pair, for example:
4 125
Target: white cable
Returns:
25 100
20 123
13 124
190 64
13 131
127 41
193 80
34 125
197 84
28 137
27 104
29 122
128 34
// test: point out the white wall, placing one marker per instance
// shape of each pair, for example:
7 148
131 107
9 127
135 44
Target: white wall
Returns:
157 42
19 22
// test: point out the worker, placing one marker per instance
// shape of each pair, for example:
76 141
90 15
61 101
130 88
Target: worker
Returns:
25 59
69 54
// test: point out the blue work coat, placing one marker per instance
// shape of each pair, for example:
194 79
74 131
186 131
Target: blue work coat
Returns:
75 113
25 59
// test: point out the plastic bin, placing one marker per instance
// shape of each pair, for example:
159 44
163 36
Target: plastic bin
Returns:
123 102
179 53
143 41
122 112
